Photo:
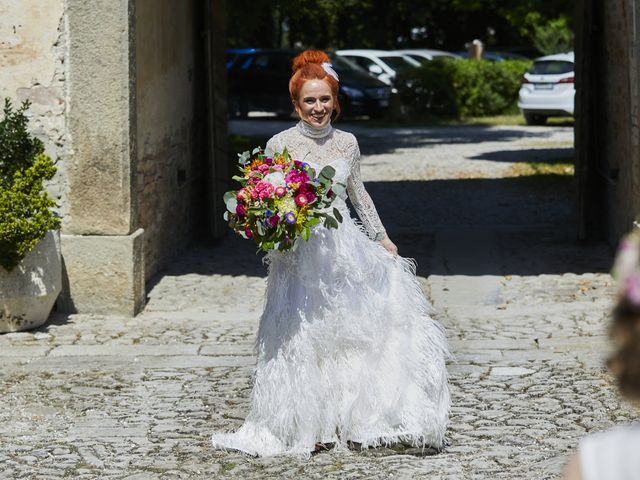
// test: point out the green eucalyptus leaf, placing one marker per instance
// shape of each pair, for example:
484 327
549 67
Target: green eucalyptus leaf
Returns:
225 215
338 189
327 172
330 222
244 157
231 204
337 214
256 150
228 195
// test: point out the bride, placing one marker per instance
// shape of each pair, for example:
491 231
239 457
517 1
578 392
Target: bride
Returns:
346 350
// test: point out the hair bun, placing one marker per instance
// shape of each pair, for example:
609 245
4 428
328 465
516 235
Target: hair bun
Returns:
310 56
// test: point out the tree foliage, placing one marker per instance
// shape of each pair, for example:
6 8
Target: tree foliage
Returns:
446 24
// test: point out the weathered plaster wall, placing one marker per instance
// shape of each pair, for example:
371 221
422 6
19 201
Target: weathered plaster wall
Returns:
170 163
33 46
621 154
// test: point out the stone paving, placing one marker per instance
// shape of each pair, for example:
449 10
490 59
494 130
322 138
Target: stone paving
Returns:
525 307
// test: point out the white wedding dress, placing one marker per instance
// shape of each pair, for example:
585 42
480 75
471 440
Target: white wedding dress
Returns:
346 350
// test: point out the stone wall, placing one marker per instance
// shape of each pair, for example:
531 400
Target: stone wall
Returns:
170 133
621 158
607 116
33 43
121 93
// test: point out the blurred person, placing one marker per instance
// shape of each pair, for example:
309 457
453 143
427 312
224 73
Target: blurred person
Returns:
615 453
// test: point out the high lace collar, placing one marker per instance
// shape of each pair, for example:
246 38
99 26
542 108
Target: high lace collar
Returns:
314 132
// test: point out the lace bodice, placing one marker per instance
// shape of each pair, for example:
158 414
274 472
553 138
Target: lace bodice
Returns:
328 146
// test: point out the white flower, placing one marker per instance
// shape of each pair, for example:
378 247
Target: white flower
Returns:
276 179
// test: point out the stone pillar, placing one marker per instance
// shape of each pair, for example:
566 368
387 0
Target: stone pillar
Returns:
101 244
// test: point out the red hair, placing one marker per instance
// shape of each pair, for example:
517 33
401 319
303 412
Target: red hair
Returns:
308 66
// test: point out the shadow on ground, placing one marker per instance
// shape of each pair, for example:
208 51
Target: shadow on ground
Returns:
530 217
375 141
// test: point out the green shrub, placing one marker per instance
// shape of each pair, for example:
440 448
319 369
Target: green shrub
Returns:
25 207
462 88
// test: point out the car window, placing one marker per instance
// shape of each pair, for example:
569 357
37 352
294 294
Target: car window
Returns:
341 64
398 64
553 67
363 62
419 59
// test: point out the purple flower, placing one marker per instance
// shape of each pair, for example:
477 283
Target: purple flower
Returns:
290 218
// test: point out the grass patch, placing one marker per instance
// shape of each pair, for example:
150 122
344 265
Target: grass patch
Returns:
508 119
540 168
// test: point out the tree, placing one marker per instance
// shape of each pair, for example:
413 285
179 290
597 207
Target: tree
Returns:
446 24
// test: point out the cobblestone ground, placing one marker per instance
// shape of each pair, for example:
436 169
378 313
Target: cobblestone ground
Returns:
524 305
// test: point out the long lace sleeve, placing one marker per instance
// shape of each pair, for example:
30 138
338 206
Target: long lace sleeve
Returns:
361 200
272 144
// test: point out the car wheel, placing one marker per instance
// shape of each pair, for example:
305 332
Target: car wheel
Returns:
535 119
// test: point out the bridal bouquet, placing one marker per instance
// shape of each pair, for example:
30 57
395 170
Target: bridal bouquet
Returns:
280 199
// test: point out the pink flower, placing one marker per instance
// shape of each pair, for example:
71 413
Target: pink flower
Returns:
265 189
301 200
310 196
280 191
248 232
277 166
263 168
268 160
295 176
241 209
243 194
632 288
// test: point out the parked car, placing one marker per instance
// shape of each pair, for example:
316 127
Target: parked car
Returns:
236 54
259 81
548 88
422 55
494 56
382 64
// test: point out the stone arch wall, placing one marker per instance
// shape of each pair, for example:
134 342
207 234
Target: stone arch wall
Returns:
118 92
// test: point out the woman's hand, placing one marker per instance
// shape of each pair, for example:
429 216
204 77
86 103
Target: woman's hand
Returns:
390 246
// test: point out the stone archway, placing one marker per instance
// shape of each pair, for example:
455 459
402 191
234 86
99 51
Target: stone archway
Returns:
128 96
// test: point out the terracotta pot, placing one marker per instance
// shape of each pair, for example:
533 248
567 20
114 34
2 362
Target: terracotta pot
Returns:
28 292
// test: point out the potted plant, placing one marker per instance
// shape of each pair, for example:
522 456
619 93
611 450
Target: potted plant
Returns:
30 266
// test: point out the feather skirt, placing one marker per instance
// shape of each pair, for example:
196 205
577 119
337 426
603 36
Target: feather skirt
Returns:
346 351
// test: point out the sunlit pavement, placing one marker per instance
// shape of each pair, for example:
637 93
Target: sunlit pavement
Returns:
524 305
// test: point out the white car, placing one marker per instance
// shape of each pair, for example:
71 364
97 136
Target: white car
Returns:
548 88
382 64
423 55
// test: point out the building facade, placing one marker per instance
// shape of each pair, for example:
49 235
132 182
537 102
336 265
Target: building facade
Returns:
129 98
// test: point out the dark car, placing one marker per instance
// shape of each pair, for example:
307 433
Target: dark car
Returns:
259 81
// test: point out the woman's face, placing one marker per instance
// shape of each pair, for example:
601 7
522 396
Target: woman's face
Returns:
315 103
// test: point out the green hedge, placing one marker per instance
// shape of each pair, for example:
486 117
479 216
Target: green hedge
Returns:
25 207
462 88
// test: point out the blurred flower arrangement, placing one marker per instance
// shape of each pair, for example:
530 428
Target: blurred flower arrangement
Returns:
626 268
280 199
